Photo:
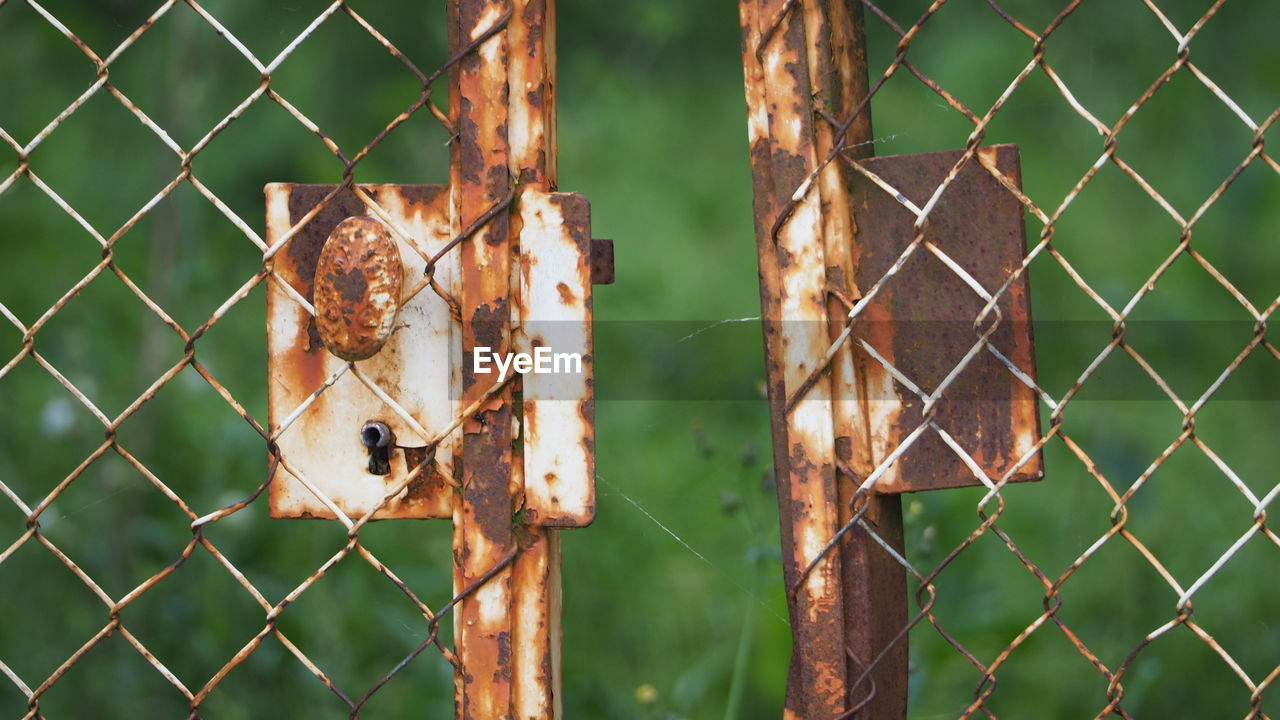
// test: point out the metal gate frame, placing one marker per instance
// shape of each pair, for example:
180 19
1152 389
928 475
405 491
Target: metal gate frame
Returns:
502 102
803 61
833 227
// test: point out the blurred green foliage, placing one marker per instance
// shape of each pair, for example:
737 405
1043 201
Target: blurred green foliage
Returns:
673 599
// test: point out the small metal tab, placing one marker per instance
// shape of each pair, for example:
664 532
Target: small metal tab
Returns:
602 272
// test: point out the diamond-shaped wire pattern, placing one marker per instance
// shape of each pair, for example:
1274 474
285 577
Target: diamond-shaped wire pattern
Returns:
775 33
1118 497
203 519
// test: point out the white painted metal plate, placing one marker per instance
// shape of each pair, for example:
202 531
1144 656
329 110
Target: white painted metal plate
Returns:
320 447
317 403
559 406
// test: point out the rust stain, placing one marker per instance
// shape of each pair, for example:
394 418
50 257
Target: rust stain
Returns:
922 321
483 533
298 368
357 288
796 241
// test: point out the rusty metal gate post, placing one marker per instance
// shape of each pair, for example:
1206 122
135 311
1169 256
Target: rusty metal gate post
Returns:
856 323
536 573
805 64
507 456
503 109
480 184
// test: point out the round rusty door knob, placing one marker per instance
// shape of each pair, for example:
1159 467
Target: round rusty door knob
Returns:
357 288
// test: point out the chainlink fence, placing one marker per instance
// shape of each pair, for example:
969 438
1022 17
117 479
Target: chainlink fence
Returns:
124 601
1133 580
810 87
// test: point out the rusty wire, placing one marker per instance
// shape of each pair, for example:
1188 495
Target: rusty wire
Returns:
990 508
34 688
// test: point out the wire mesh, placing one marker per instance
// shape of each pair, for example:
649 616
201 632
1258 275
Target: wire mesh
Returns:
947 575
773 52
271 597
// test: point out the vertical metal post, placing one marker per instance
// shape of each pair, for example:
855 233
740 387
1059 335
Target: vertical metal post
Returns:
480 182
502 101
764 209
776 57
536 574
805 64
875 599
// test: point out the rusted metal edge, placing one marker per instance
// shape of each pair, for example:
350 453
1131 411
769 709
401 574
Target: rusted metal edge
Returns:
874 583
602 271
536 693
764 211
778 91
481 178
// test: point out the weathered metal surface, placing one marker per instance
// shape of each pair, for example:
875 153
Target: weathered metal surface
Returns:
558 406
357 288
923 321
602 270
874 584
507 623
535 577
532 104
807 494
765 206
792 101
535 626
416 369
806 93
480 181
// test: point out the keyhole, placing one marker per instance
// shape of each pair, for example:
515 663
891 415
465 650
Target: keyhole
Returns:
377 436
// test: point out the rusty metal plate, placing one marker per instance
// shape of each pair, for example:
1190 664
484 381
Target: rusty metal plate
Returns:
416 368
922 320
420 368
555 318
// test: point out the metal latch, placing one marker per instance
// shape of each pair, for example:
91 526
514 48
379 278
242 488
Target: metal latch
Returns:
359 389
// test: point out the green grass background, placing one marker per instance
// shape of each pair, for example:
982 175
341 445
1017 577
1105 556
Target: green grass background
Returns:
676 589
